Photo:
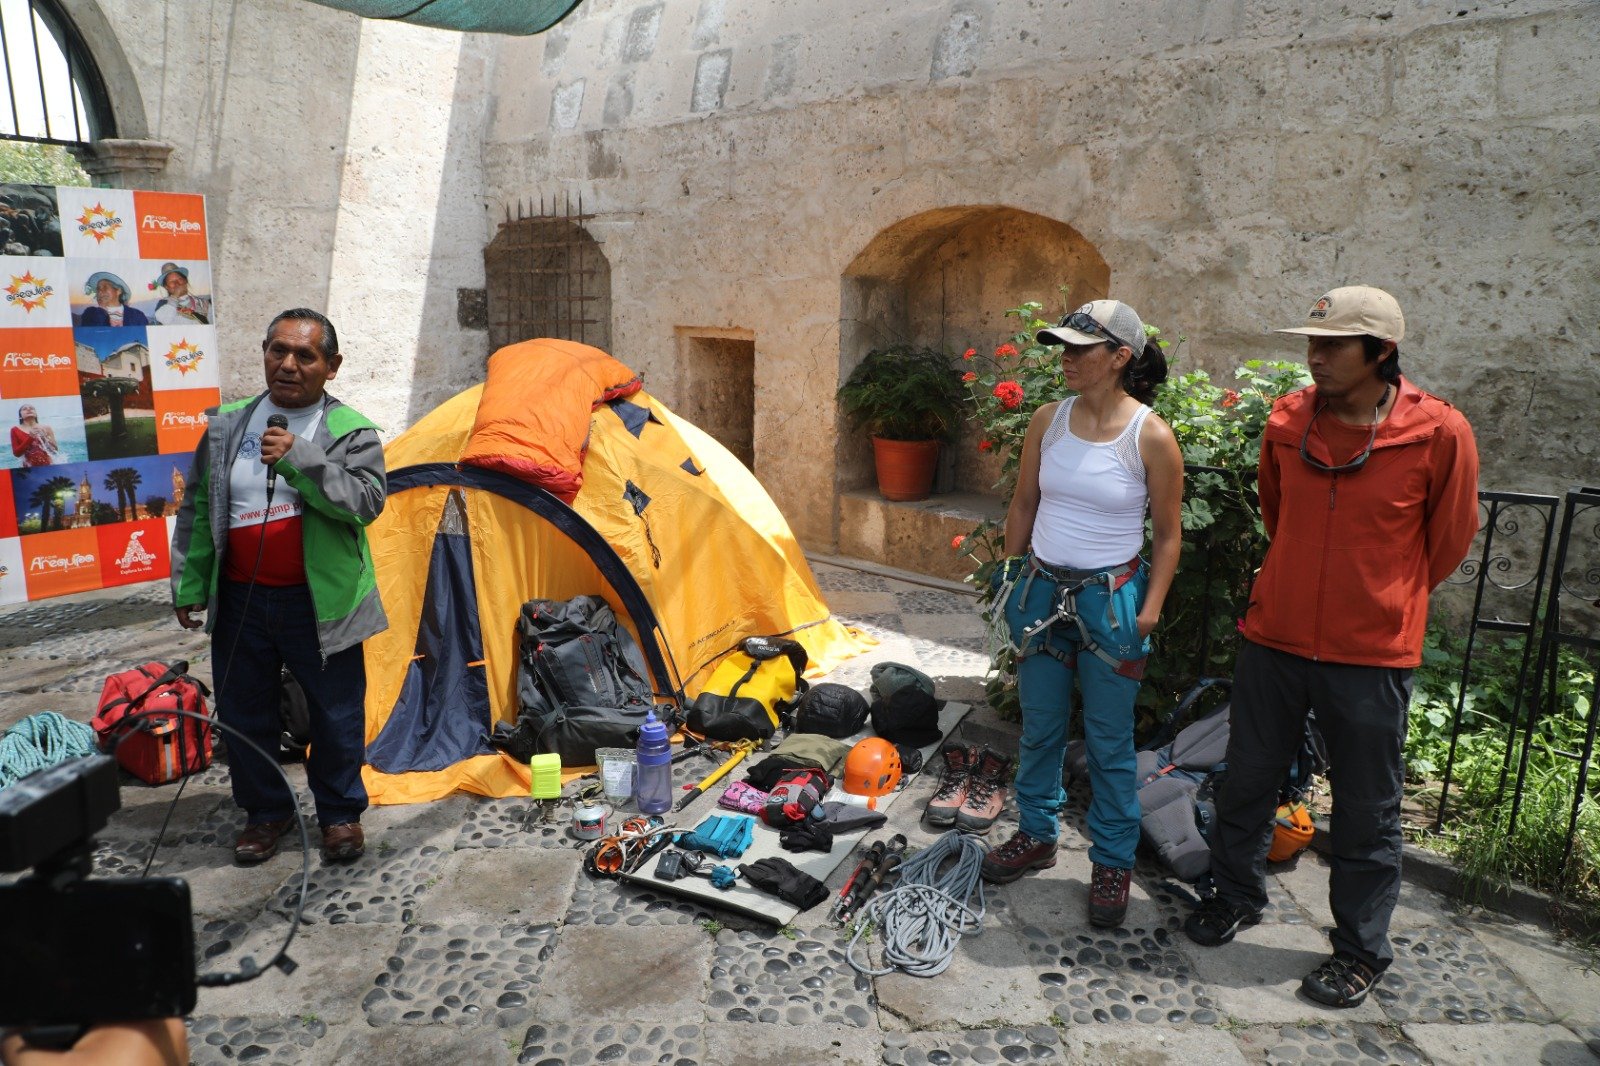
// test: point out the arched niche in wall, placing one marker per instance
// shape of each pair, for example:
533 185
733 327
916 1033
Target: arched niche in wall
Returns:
547 277
944 278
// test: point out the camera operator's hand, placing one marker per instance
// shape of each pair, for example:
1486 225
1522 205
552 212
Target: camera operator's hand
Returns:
157 1042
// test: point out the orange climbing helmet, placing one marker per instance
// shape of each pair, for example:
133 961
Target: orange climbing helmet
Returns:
872 769
1291 832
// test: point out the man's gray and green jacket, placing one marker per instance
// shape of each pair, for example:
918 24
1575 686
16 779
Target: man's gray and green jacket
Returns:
339 474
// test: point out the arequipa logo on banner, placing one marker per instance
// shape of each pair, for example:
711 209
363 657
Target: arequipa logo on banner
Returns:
136 560
98 223
33 292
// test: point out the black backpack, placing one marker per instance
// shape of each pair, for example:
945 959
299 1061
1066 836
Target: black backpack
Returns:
581 682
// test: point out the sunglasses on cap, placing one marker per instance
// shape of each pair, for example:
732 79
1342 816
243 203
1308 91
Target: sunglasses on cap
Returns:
1083 323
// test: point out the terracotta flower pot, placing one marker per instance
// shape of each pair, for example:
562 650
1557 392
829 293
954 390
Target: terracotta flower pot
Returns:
905 467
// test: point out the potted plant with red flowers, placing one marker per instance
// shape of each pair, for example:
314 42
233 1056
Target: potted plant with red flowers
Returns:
909 400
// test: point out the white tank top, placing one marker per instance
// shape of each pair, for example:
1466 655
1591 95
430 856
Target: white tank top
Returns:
1092 496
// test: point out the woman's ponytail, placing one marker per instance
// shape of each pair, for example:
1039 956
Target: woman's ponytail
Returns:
1144 372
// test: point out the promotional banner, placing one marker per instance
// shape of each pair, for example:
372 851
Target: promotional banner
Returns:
107 365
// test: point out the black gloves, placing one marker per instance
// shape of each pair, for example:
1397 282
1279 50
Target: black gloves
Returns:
807 836
779 877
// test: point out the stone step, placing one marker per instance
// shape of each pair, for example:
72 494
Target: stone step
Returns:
913 536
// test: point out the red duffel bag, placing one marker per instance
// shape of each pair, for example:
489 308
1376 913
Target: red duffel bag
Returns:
161 747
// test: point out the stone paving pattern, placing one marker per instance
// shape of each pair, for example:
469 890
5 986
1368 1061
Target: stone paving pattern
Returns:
467 934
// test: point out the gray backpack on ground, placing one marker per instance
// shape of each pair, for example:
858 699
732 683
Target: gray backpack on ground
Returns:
1175 776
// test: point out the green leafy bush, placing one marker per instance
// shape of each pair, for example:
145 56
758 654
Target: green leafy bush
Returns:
1478 833
905 393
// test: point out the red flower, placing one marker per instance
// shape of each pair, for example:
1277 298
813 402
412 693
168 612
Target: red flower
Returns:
956 541
969 353
1229 398
1005 351
1009 393
985 445
969 376
1239 624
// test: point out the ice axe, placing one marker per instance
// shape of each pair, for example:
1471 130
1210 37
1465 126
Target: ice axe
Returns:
740 750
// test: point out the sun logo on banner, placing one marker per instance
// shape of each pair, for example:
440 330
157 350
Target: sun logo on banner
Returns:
184 356
28 291
99 222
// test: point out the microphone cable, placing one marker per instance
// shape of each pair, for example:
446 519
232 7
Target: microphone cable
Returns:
280 959
248 970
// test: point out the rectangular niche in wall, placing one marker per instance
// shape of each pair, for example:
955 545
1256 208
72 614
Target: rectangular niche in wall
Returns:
717 371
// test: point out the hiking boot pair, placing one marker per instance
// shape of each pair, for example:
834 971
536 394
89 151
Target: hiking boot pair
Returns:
1108 885
972 789
344 842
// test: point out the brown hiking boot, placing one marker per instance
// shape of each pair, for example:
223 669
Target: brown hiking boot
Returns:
343 842
986 792
1108 895
952 791
1016 857
259 842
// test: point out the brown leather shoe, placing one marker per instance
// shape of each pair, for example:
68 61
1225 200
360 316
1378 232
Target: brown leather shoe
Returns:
259 842
343 842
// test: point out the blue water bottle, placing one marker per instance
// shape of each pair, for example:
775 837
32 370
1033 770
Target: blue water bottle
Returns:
652 783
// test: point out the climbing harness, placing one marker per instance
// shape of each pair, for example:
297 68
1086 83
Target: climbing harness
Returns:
1064 611
924 917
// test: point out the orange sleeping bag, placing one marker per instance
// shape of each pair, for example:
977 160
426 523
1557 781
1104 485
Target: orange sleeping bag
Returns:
533 418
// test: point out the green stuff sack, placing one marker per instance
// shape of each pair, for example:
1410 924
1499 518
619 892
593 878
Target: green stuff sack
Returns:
889 678
752 691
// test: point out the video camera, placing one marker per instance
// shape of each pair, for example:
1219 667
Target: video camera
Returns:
83 950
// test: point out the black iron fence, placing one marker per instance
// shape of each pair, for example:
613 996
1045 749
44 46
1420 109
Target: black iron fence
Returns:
1535 581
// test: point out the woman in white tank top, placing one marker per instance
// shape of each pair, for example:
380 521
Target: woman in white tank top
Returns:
1078 599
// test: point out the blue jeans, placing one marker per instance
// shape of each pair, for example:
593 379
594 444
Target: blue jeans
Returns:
248 652
1045 672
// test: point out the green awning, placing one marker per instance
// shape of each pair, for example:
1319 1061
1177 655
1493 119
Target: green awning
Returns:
516 17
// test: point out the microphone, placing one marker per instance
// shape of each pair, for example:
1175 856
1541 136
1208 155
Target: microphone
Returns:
274 422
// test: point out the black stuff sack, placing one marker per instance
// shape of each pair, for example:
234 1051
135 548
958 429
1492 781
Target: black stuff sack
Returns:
836 711
910 716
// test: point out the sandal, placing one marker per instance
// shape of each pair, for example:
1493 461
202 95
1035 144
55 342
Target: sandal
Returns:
1342 981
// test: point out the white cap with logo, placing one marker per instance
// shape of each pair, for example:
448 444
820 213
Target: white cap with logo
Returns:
1354 311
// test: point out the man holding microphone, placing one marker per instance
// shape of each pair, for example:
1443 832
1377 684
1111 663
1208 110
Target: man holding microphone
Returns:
271 544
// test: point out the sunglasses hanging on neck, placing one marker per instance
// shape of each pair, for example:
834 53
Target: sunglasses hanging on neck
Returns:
1359 461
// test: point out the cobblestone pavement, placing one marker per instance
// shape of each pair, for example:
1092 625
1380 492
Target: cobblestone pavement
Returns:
465 937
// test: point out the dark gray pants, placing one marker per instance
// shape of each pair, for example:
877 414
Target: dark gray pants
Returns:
1361 711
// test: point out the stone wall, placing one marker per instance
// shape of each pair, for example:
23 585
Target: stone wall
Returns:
1228 162
339 159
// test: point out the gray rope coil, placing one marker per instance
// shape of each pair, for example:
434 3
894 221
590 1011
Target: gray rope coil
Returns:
927 913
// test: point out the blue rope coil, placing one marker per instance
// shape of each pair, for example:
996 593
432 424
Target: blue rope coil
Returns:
41 741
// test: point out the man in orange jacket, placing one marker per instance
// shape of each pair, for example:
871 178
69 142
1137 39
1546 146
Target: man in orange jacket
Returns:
1369 493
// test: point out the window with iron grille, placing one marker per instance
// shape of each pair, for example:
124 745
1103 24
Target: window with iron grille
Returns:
55 92
547 277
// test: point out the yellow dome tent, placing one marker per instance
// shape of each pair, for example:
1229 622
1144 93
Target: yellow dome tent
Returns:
663 523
